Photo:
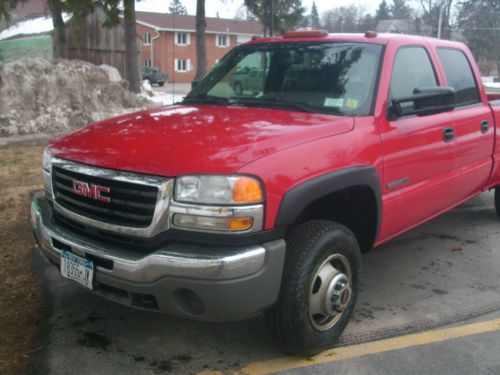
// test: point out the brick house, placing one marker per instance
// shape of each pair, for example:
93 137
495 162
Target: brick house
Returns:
169 41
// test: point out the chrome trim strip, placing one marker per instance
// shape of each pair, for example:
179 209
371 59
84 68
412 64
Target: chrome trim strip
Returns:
135 267
160 221
403 181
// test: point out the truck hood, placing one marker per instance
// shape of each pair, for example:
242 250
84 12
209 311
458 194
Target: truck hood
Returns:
184 139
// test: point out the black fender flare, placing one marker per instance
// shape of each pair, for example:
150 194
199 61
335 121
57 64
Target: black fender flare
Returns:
300 196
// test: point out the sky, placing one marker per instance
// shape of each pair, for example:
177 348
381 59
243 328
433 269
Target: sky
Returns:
228 8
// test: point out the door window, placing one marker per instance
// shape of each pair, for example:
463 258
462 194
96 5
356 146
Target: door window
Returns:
412 69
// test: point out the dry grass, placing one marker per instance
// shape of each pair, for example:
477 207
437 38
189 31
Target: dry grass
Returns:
21 300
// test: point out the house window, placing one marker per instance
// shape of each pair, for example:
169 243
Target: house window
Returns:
182 65
147 38
221 41
147 63
181 38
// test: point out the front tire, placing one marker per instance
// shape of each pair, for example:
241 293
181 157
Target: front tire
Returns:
319 288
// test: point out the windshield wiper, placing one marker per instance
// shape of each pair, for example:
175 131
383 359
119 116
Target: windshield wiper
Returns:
204 98
276 101
270 101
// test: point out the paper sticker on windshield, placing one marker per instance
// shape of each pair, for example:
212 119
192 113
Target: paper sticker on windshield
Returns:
334 102
351 103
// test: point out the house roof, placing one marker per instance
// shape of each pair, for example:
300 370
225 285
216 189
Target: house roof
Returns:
165 21
401 25
31 8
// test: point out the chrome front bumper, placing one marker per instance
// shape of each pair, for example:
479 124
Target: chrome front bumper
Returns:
211 273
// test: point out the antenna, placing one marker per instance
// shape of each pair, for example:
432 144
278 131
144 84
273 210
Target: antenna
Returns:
173 59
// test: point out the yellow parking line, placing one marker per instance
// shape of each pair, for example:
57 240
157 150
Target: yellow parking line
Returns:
381 346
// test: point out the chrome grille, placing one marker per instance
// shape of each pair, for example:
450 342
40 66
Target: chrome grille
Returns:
130 204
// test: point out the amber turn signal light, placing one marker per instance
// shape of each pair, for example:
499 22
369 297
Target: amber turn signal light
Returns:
247 190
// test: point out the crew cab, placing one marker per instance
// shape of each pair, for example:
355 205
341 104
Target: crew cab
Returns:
230 204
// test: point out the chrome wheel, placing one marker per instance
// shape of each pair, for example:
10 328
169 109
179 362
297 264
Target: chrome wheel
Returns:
330 292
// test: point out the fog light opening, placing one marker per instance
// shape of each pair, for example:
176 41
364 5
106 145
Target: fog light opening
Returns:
188 302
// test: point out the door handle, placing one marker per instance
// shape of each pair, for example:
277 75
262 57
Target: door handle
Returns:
485 126
448 134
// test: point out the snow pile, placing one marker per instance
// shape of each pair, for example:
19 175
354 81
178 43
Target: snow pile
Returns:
33 26
38 96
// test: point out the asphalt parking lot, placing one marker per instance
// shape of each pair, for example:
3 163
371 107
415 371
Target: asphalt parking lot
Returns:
429 303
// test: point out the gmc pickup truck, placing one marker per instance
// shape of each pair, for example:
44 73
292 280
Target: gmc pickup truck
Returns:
229 203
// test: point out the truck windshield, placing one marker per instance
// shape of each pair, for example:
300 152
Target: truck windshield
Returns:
332 77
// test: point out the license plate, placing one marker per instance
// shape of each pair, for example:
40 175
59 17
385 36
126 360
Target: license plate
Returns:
77 269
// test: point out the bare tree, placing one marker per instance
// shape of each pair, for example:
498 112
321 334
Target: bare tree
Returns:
201 50
131 64
60 45
431 9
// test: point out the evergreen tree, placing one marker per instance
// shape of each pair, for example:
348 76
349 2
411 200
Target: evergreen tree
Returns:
6 6
383 12
176 7
286 13
315 24
400 9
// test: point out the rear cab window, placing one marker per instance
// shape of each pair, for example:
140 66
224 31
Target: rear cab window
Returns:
459 75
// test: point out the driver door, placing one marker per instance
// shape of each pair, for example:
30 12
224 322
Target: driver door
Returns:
418 160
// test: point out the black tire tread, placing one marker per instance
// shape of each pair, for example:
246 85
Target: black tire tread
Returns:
300 240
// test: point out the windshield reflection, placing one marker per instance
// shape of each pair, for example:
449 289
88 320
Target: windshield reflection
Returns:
328 77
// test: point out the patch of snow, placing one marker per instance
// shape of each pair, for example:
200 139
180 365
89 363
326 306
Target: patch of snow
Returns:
113 73
34 26
164 98
174 110
493 85
159 97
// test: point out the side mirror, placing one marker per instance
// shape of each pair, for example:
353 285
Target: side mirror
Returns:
425 100
194 83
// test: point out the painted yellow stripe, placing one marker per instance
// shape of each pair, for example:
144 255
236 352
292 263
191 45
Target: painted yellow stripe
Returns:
381 346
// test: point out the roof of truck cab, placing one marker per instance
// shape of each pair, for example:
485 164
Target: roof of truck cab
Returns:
380 38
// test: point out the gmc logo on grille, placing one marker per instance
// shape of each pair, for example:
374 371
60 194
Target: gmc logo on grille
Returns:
90 191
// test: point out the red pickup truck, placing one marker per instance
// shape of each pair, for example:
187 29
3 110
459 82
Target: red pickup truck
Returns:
233 203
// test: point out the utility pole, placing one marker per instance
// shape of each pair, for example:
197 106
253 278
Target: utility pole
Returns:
271 18
440 19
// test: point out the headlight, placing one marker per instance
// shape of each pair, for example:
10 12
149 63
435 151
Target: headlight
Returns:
47 159
215 203
216 189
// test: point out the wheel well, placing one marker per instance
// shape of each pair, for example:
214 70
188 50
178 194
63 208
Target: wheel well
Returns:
355 207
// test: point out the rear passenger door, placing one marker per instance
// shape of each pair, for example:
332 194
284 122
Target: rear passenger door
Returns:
418 162
472 120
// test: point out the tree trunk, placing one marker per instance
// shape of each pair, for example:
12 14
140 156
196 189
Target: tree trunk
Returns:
59 39
131 64
201 50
